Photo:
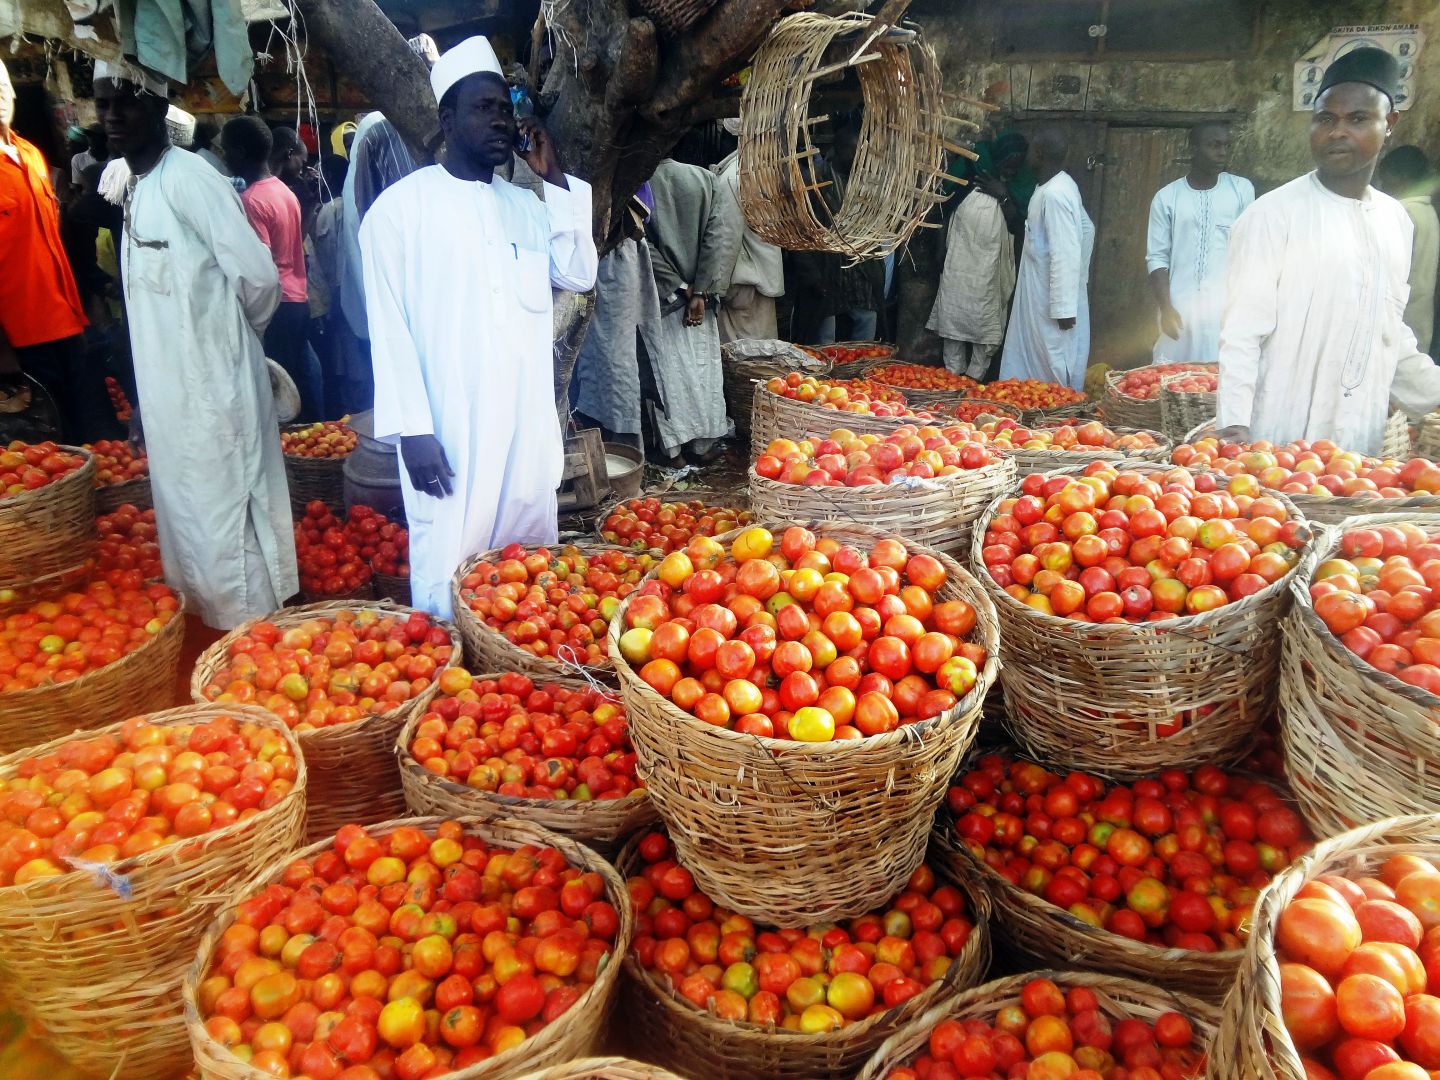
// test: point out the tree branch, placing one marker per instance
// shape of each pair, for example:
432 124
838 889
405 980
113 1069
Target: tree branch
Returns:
693 65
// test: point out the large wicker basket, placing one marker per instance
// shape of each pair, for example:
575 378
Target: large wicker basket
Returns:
312 478
1182 411
852 369
49 531
775 417
610 1068
1252 1041
674 17
141 681
1032 461
136 492
393 588
1118 407
353 773
1359 743
1098 696
747 362
675 1032
1118 998
96 958
576 1033
603 824
790 833
938 513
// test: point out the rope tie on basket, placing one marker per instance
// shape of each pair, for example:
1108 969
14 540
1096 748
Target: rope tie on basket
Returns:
922 483
820 802
104 876
571 663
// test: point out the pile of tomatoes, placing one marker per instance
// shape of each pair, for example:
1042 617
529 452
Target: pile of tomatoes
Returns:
128 552
970 412
1144 382
1378 596
407 956
652 525
128 791
554 603
922 377
1010 434
812 642
1358 962
384 544
116 462
845 459
1177 860
811 980
849 354
118 401
512 737
323 439
55 641
1030 393
1057 1034
1320 468
865 398
1114 546
333 670
328 554
28 466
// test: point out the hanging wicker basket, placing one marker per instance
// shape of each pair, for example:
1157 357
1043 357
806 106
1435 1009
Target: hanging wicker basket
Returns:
1252 1041
136 492
791 833
99 971
353 773
1359 743
747 362
49 532
895 180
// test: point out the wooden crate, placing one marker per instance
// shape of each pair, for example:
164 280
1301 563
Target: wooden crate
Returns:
585 482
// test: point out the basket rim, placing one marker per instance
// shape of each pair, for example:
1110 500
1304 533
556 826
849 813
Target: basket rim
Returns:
173 850
869 373
119 485
86 471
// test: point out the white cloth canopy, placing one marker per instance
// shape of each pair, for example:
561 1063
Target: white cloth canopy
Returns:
1053 284
200 288
457 292
1313 345
1188 235
979 274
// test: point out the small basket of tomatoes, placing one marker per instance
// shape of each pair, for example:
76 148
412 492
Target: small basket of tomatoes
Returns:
1360 673
796 405
575 773
1061 444
345 676
1047 1024
98 919
315 463
1132 395
1334 978
849 359
1187 399
609 1068
47 512
121 476
665 521
495 979
924 386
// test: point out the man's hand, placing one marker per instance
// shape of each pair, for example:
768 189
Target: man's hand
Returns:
695 310
137 429
541 156
1066 324
1170 323
425 461
1237 433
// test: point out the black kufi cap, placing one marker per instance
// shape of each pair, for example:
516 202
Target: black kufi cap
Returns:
1369 65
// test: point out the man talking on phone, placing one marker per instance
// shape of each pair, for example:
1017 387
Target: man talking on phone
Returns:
458 267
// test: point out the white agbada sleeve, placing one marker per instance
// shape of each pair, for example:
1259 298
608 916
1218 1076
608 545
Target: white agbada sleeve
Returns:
1159 235
574 261
1257 253
213 211
1066 232
402 407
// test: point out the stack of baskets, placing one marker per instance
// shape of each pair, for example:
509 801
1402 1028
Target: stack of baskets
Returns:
747 362
1427 437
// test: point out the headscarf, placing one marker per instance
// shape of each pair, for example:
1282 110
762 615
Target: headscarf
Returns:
123 71
337 138
1368 65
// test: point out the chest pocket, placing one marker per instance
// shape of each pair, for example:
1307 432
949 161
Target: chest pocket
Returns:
148 268
532 280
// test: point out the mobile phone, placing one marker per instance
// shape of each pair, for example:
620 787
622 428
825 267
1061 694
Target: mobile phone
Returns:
522 142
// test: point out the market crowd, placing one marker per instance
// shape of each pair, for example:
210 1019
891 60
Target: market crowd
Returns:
425 292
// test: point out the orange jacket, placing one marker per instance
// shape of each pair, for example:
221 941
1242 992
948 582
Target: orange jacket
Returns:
38 298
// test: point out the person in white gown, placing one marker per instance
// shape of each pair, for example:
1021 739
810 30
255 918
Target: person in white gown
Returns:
200 288
1190 223
458 268
1313 345
1049 333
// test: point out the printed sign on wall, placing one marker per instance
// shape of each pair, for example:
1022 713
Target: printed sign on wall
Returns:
1401 40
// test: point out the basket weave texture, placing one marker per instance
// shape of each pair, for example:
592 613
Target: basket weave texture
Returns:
100 973
136 492
1118 407
1427 437
141 681
745 363
353 773
611 1068
1359 743
314 478
49 530
792 833
1118 999
674 17
675 1032
603 824
391 587
575 1034
774 417
1095 697
896 177
1182 411
1252 1041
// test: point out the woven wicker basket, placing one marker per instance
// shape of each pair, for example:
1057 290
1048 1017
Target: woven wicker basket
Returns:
577 1033
136 492
611 1068
353 773
742 369
1033 461
486 649
359 595
1118 407
895 179
710 498
1359 743
675 1032
1060 414
791 833
1118 999
1427 437
313 478
1182 411
1252 1041
1092 696
99 973
49 531
674 17
775 417
603 824
390 587
937 513
141 681
853 369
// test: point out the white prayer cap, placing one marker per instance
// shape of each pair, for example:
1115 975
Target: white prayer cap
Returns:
473 56
120 70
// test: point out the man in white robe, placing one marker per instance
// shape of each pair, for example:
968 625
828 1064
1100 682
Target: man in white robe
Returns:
458 269
1190 223
1049 333
1313 344
200 288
